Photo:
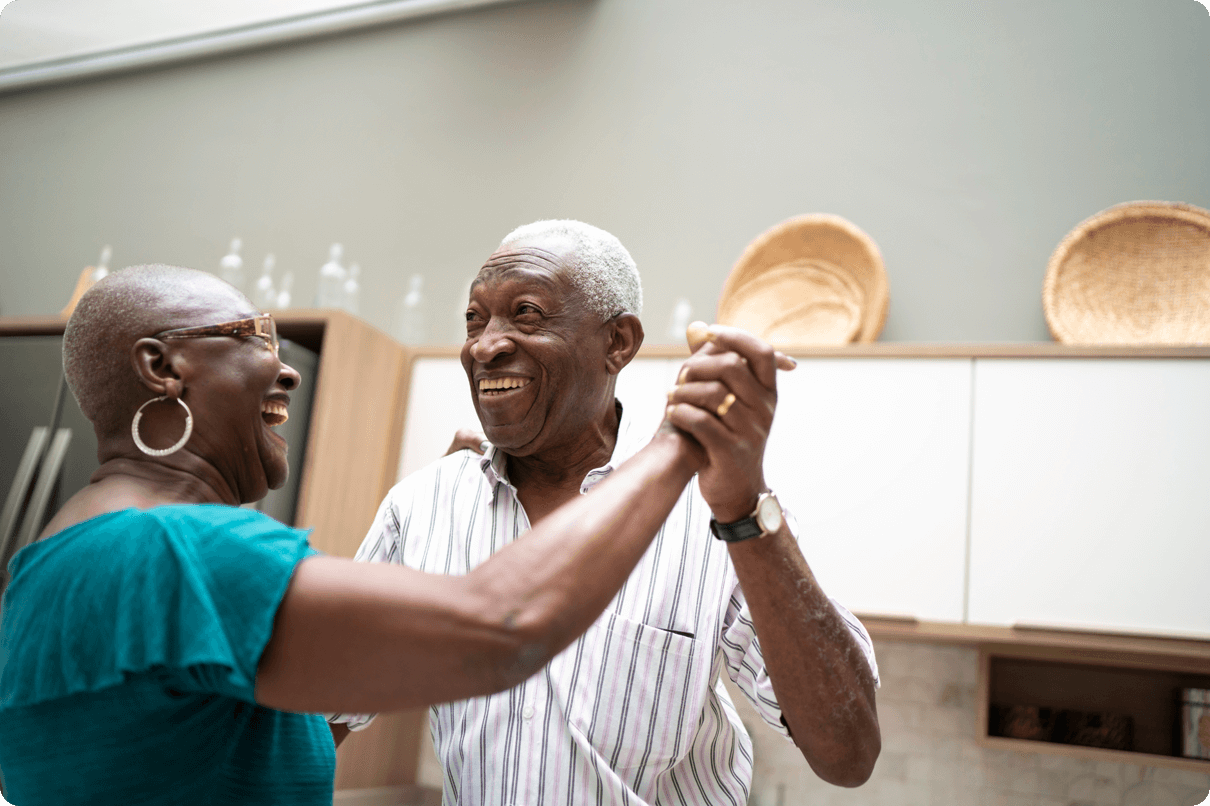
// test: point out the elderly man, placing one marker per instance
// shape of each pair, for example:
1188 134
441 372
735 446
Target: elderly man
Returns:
634 711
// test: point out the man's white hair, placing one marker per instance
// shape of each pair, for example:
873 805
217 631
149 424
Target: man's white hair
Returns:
603 270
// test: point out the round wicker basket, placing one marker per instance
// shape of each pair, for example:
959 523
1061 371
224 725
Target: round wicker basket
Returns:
812 280
1137 273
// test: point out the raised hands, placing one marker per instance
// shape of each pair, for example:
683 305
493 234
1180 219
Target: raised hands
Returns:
725 398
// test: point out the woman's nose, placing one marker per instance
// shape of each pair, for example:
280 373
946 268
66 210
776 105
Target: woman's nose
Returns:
289 377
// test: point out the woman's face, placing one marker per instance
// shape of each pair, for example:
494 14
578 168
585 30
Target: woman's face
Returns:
237 389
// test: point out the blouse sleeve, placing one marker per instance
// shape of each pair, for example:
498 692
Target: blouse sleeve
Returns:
163 590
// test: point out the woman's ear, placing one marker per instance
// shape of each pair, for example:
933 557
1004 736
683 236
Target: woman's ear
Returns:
625 338
153 363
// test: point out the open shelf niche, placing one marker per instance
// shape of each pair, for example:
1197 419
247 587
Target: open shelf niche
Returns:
1139 676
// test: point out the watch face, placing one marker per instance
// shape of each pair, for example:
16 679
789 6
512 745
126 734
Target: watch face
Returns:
768 514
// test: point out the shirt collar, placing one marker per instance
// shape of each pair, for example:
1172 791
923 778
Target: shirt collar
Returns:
494 463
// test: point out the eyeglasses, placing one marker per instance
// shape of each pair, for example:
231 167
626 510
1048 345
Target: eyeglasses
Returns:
262 326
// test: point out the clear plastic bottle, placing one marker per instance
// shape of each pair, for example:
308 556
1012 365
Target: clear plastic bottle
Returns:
283 296
231 267
330 291
352 289
263 295
411 325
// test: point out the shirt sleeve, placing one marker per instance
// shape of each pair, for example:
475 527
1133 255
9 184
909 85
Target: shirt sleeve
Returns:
381 545
746 663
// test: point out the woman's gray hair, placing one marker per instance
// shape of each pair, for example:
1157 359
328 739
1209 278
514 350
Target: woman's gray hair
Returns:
603 271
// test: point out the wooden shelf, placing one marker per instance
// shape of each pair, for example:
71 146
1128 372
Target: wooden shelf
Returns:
1147 693
917 350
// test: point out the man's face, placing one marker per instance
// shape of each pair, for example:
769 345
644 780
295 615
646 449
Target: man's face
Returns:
534 352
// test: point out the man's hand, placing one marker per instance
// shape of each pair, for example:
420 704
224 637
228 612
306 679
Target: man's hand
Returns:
730 386
725 398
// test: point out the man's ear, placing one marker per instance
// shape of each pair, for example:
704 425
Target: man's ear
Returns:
154 364
625 338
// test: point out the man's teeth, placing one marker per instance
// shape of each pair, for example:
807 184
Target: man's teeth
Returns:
501 384
274 412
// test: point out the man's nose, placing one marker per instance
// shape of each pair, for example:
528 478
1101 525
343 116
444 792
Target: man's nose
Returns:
495 340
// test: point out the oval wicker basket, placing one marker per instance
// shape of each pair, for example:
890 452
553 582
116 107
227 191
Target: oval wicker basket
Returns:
1137 273
812 280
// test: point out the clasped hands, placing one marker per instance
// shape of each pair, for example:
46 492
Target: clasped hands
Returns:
725 397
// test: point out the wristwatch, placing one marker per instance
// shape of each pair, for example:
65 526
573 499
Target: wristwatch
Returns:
764 520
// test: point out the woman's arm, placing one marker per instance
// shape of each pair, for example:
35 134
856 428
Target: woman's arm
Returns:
374 637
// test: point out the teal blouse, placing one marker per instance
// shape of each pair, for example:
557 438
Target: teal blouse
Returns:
128 652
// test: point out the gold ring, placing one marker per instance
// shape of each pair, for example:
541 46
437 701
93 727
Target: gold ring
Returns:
725 406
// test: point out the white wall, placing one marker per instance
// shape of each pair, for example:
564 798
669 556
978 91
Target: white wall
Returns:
966 138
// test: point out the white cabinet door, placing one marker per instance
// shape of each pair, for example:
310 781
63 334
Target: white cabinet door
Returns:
1091 494
439 403
643 388
871 456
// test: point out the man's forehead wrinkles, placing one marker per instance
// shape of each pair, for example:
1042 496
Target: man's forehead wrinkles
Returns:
525 272
520 255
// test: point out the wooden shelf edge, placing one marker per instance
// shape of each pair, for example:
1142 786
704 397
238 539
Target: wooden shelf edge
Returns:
1093 753
405 795
50 324
911 350
31 325
1091 647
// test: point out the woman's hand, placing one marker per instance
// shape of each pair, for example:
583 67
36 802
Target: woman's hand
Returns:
469 439
725 398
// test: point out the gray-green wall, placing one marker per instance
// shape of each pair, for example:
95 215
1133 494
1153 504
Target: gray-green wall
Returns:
966 137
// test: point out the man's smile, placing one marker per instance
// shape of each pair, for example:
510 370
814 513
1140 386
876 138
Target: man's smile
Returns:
491 387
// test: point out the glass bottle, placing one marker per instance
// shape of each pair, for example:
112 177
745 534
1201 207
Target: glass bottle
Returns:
352 290
263 295
102 267
231 267
682 312
330 291
411 326
283 296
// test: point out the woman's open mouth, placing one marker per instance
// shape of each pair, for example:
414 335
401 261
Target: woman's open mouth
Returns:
274 412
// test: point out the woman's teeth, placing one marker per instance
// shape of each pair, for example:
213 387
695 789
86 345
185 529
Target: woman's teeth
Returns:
497 385
274 413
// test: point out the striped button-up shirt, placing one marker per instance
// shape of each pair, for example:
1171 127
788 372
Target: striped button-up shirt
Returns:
634 711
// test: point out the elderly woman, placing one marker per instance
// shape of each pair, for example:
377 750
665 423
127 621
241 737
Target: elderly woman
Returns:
162 645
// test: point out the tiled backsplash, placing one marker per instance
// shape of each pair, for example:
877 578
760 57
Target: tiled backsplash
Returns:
926 707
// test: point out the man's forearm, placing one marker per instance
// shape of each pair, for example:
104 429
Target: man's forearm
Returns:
823 682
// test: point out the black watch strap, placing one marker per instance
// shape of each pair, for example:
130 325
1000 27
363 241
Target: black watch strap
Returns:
743 529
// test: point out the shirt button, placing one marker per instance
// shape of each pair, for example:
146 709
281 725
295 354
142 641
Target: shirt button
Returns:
527 712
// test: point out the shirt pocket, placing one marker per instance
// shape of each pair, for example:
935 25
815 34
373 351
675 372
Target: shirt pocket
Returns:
635 693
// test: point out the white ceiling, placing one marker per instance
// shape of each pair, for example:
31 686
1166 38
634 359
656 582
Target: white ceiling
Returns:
43 40
48 30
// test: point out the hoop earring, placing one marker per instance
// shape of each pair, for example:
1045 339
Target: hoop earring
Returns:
138 415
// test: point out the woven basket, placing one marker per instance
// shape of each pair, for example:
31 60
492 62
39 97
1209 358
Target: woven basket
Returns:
813 280
1137 273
